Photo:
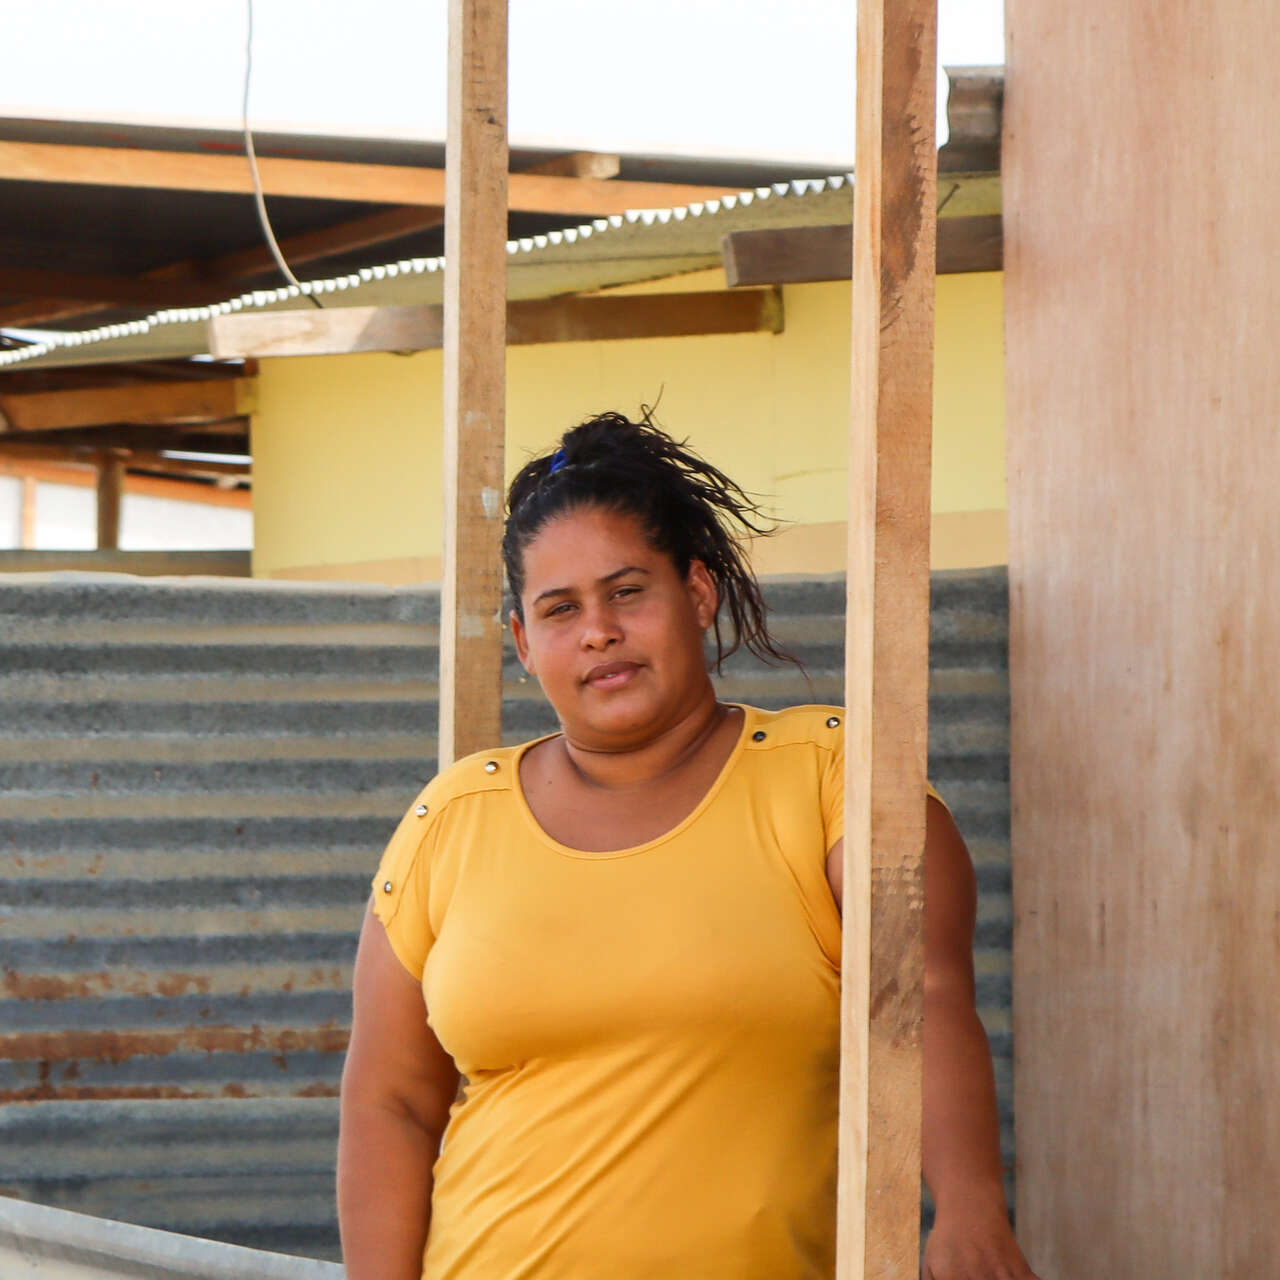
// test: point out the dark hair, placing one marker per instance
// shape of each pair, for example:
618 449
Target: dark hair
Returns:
688 509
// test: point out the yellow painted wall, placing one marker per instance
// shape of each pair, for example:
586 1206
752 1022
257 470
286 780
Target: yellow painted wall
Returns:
347 449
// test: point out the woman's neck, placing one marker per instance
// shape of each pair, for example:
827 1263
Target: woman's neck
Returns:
667 753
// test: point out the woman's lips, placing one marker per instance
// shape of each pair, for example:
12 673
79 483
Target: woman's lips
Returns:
611 675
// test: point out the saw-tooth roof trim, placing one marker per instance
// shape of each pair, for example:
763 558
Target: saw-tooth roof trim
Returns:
259 298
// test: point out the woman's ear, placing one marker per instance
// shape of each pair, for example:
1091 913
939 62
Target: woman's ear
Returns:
702 590
520 636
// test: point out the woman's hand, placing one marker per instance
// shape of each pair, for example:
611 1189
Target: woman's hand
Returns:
974 1244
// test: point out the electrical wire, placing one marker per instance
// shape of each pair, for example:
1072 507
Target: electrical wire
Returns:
264 219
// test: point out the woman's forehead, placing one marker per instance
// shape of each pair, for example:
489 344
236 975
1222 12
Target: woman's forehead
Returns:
587 545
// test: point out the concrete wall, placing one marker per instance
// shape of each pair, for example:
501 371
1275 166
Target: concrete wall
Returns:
347 449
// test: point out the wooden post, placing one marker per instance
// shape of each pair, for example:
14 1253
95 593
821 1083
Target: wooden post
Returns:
27 518
887 640
474 378
110 495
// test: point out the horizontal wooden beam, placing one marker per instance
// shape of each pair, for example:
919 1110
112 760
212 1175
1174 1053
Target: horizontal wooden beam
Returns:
120 373
18 450
84 475
327 179
346 330
145 404
230 437
798 255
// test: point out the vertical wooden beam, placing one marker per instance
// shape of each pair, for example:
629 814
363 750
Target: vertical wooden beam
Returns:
887 640
110 495
27 515
474 378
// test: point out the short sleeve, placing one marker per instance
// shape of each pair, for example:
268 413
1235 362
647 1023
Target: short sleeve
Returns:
832 789
401 891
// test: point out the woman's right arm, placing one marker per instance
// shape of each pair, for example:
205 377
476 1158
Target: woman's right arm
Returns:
397 1087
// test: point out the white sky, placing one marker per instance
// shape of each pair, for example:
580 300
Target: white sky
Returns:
767 79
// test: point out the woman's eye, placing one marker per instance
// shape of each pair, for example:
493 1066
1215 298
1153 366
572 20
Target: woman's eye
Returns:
626 591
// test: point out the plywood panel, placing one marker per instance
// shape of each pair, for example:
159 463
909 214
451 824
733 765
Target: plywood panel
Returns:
887 641
1142 253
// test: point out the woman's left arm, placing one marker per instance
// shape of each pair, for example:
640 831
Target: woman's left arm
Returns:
971 1238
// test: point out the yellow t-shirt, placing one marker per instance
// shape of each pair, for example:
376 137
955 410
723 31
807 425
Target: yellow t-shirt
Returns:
650 1036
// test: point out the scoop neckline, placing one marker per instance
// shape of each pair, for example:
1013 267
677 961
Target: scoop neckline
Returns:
517 787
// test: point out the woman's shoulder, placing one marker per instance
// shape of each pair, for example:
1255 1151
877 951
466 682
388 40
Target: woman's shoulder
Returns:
820 724
480 772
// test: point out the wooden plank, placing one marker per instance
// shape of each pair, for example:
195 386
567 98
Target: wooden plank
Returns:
328 179
1143 404
474 379
27 515
85 475
142 404
110 495
799 255
18 451
887 641
344 330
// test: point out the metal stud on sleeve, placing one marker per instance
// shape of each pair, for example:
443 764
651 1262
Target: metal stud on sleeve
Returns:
491 766
833 722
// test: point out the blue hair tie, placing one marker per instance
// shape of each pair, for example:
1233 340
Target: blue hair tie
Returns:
557 461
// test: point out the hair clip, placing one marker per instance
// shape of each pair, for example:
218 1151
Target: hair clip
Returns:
557 461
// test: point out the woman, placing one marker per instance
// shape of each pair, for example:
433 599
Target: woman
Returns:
626 936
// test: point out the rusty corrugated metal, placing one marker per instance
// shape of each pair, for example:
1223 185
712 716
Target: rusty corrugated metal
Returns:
195 783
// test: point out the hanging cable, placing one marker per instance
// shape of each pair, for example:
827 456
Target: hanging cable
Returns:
264 219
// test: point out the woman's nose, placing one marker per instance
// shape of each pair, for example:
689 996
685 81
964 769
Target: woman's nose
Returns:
600 627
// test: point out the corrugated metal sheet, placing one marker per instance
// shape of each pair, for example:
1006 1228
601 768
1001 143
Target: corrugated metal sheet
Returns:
648 244
195 783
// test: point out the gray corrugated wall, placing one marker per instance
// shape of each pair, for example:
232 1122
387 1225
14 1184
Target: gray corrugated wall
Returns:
195 782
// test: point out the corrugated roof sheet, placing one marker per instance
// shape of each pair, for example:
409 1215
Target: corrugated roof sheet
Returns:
640 245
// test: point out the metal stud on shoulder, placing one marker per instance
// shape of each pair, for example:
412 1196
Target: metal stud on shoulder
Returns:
833 722
421 810
759 736
387 886
491 766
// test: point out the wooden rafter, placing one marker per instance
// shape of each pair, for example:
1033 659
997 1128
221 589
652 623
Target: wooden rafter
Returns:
345 330
795 255
327 179
196 281
155 403
230 438
146 459
84 475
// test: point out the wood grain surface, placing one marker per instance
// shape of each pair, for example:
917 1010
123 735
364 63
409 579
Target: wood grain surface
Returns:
1143 403
887 641
475 306
341 330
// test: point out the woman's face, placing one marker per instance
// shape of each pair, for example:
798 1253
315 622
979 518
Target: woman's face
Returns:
611 630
